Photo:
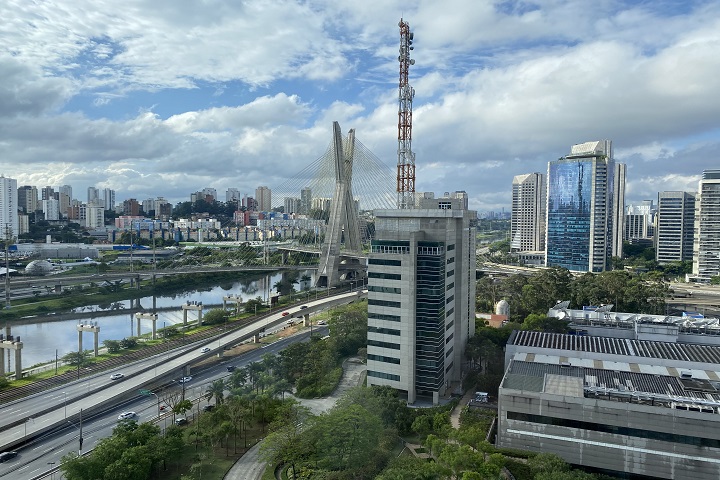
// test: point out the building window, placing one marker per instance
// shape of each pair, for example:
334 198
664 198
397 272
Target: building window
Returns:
449 325
383 331
385 276
449 299
451 248
450 273
377 343
450 286
445 205
450 312
449 351
383 303
386 376
375 288
380 316
449 339
451 260
380 358
382 261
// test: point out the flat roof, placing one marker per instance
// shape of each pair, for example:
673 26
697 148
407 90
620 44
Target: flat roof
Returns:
617 346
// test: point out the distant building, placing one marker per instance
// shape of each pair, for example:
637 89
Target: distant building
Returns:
131 207
586 191
706 249
640 221
232 195
264 199
9 220
675 227
527 224
28 199
305 200
51 209
421 297
209 194
48 192
292 205
109 199
93 195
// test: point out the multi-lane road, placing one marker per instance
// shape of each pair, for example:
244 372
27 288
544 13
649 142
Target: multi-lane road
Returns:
45 426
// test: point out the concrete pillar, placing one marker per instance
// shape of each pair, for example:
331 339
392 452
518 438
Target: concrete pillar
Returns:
137 320
306 320
184 317
95 329
436 398
2 358
79 339
147 316
18 360
256 338
96 343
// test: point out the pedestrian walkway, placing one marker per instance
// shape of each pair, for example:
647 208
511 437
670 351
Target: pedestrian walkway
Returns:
251 467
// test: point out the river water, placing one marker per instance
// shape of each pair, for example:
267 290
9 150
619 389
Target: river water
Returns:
41 340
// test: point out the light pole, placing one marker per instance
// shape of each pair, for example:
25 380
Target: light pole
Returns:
65 393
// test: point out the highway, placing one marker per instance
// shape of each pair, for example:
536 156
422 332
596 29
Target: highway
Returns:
39 414
46 451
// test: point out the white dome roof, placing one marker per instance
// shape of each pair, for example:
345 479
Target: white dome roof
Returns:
38 268
502 308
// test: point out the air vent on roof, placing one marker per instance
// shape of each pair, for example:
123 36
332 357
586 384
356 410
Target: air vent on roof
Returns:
685 374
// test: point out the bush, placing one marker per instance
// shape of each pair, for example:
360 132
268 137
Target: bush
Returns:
215 316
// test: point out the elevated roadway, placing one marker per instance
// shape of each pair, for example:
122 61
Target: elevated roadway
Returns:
43 412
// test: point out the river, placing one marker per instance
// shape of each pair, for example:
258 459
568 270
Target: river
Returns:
42 339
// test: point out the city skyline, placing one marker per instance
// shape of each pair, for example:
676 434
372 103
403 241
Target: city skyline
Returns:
153 101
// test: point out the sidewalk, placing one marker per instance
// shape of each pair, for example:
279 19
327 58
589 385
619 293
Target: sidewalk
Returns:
251 467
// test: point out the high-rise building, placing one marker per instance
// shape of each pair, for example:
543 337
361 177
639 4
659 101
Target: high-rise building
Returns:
675 227
527 224
421 297
93 195
51 209
48 192
95 215
28 198
305 200
232 195
292 205
585 208
9 221
640 221
109 199
706 249
131 207
264 200
209 194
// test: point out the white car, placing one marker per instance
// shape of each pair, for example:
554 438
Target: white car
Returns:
185 379
127 416
116 376
205 350
321 322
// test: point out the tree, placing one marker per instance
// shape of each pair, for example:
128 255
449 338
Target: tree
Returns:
216 316
251 306
543 323
113 346
77 359
129 342
216 390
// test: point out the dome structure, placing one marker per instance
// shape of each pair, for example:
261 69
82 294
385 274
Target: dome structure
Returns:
502 308
38 268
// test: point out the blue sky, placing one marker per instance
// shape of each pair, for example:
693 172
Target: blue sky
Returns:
166 97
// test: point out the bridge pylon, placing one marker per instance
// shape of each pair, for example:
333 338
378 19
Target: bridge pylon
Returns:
343 219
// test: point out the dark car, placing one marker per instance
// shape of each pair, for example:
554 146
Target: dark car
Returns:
5 456
230 368
303 307
208 408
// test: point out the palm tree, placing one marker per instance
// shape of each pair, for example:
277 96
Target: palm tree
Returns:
216 390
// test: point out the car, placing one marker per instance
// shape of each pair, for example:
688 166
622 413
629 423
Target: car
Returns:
285 314
5 456
127 416
303 307
163 408
185 379
205 349
322 322
116 376
230 368
181 421
208 408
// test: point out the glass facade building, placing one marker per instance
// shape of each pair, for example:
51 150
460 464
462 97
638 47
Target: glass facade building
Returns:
585 215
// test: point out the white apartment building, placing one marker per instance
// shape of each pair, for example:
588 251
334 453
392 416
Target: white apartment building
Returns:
264 198
527 224
706 249
9 222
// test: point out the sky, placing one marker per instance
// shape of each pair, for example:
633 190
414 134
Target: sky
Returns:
167 97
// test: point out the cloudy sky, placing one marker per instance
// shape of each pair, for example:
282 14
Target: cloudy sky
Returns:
166 97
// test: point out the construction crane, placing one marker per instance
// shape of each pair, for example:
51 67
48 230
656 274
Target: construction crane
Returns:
406 157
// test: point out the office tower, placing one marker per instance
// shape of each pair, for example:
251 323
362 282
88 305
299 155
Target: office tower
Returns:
262 195
109 199
675 227
93 195
706 249
527 224
27 198
421 297
232 195
639 221
586 192
51 209
131 207
9 221
305 200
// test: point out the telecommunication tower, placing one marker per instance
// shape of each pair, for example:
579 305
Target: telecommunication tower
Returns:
406 157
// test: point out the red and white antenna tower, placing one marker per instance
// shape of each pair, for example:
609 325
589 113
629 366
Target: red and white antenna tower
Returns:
406 157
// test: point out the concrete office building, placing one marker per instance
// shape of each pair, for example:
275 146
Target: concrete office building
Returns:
585 212
527 220
109 199
706 248
675 227
263 195
639 407
51 209
640 221
93 195
9 221
232 195
306 200
421 297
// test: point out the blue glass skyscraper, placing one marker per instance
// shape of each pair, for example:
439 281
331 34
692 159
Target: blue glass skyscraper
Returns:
585 207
